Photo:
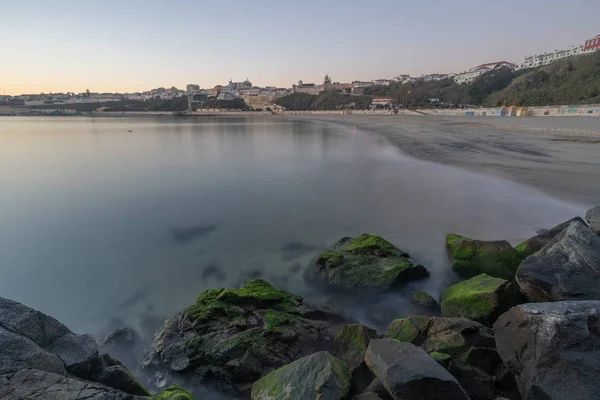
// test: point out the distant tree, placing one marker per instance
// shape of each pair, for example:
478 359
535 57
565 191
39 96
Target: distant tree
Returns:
327 80
87 92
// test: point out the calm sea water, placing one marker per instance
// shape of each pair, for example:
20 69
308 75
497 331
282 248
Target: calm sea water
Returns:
87 209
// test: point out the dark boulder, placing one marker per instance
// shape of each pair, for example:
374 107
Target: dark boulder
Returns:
232 337
425 302
536 243
553 349
465 347
473 257
42 359
408 372
592 216
365 263
567 268
351 344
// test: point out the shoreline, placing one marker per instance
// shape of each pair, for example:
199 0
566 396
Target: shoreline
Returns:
558 158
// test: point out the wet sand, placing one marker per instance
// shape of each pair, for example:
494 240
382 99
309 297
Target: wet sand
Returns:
558 155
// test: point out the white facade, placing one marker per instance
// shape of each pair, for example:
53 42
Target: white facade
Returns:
475 72
539 60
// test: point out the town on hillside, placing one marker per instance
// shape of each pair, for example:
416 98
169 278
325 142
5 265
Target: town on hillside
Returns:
244 94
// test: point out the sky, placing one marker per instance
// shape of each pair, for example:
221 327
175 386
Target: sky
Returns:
136 45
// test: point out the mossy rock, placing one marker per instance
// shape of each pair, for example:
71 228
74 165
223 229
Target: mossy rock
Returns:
425 301
318 376
473 257
411 329
452 336
482 299
366 262
351 343
173 392
231 337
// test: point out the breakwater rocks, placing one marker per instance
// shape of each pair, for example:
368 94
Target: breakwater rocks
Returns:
524 323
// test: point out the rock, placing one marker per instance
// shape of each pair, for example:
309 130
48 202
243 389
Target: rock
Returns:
407 372
425 301
482 299
351 344
593 218
553 349
232 337
173 392
366 263
34 384
124 343
543 237
318 376
473 257
441 358
465 347
42 359
367 396
566 268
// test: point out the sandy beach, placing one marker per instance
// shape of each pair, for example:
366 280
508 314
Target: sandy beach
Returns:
560 156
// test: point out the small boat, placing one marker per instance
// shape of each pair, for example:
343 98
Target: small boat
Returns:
129 130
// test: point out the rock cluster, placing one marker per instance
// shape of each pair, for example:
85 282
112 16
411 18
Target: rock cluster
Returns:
524 323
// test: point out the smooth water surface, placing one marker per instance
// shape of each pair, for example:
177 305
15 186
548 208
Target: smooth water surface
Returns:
87 209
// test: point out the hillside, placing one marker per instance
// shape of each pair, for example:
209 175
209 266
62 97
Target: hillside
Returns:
574 80
324 101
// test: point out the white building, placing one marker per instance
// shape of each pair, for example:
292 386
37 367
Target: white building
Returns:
434 77
475 72
539 60
402 78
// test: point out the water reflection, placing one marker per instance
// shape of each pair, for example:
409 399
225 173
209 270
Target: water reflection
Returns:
88 211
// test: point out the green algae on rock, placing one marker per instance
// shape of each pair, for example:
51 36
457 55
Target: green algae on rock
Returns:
466 347
351 343
473 257
482 299
173 392
366 262
318 376
231 337
425 300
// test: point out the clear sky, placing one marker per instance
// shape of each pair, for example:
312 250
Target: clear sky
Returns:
136 45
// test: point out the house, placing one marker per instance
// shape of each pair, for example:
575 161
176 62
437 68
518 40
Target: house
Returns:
476 72
386 102
592 44
336 87
308 88
404 78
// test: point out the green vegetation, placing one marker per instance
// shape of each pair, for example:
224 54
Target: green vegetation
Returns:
424 299
257 294
370 244
323 101
410 329
573 80
367 262
473 257
437 356
482 299
319 375
173 392
330 259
